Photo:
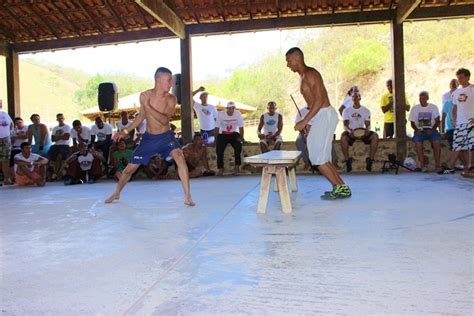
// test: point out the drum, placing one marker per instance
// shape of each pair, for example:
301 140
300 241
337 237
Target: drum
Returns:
358 132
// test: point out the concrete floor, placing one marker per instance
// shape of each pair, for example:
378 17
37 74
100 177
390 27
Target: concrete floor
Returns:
402 244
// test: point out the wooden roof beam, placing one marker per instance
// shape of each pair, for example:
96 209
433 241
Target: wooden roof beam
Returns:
42 19
19 21
90 17
404 8
160 11
110 7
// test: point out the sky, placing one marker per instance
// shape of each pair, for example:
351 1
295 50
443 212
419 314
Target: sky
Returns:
213 56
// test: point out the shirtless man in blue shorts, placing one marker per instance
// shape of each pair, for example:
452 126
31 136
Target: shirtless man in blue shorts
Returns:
157 106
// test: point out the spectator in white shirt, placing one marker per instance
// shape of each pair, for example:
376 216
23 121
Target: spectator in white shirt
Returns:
124 123
59 151
207 116
19 136
424 119
229 130
101 139
83 166
80 134
6 126
30 168
272 124
357 118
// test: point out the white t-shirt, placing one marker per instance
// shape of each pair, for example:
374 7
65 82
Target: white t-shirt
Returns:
121 126
17 131
424 116
303 111
142 127
207 115
270 123
5 123
61 130
356 117
31 159
85 162
229 124
101 133
85 134
464 100
347 101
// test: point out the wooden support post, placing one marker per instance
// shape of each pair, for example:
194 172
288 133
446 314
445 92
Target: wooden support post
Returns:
398 62
13 83
187 127
264 190
283 186
292 174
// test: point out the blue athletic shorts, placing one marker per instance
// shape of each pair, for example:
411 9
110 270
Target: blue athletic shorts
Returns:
152 144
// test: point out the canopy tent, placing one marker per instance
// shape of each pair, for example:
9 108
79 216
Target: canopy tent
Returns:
131 104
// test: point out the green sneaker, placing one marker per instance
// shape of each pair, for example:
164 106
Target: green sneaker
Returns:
338 192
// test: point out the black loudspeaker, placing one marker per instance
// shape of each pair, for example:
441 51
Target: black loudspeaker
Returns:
177 87
108 96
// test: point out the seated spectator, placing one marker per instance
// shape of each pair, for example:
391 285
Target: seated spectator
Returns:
101 139
120 158
141 129
80 134
83 166
348 99
6 128
124 123
447 126
388 108
39 133
301 139
424 119
463 120
229 130
19 136
357 118
157 168
194 153
272 124
30 168
207 116
60 150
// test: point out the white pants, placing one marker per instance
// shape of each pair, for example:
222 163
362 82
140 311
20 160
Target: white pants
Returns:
320 137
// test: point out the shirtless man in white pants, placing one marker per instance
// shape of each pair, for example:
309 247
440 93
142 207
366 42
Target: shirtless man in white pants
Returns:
323 119
157 106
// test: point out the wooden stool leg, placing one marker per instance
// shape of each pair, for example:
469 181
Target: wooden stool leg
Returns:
283 186
264 189
294 185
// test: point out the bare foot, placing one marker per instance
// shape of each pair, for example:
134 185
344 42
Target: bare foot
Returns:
188 201
112 198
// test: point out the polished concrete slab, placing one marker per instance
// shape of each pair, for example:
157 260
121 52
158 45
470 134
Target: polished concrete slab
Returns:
401 244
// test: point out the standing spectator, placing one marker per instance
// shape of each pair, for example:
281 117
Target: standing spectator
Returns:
229 130
424 119
40 134
463 119
358 117
83 166
80 134
120 158
447 126
124 123
6 126
272 124
386 103
30 168
19 136
348 99
60 150
101 138
207 116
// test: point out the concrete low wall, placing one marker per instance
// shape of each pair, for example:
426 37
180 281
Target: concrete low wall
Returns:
359 151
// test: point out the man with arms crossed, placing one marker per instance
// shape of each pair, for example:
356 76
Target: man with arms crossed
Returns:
157 106
323 119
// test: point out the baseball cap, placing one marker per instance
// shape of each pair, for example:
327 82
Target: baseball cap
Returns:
230 104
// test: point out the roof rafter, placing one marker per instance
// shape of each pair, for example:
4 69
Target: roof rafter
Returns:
160 11
68 21
404 8
38 16
17 20
111 8
196 16
90 17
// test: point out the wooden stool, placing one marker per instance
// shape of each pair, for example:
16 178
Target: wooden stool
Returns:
276 162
